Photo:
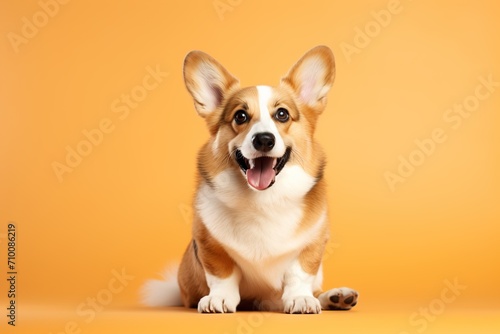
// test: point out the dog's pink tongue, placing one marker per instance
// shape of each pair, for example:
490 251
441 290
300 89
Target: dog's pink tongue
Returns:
262 174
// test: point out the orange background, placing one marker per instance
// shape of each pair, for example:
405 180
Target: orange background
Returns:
126 204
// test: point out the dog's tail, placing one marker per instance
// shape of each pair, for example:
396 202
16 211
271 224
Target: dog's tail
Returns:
166 292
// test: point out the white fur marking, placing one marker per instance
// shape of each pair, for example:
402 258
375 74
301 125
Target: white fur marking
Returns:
258 229
162 293
264 94
215 144
297 282
264 124
298 291
224 294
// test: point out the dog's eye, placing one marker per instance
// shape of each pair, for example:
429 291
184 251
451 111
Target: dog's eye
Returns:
282 115
241 117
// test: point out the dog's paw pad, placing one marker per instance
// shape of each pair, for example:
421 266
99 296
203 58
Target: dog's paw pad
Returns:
216 304
339 299
302 305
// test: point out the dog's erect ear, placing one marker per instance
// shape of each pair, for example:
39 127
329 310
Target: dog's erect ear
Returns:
312 77
207 81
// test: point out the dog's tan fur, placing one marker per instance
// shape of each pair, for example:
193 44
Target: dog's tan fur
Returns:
214 261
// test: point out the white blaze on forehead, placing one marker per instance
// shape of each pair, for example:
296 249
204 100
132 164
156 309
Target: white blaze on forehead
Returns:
264 123
264 93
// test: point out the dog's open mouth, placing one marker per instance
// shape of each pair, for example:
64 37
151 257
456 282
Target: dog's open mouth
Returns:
261 172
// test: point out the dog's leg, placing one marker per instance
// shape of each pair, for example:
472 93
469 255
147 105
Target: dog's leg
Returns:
221 274
213 287
302 280
191 277
224 293
298 291
338 299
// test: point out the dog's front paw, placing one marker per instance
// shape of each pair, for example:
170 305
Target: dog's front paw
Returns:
302 304
216 304
339 299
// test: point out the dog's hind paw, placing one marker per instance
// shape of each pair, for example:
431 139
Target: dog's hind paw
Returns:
338 299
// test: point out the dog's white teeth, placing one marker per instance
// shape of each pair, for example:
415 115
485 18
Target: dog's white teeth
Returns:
252 163
275 161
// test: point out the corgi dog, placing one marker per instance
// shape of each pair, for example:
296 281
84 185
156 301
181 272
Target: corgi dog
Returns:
260 210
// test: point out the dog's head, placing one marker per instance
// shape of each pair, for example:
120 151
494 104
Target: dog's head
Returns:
260 129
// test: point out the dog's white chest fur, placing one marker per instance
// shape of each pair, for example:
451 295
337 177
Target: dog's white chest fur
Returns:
258 229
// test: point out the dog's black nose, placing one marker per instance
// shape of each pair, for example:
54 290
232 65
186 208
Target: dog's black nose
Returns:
263 142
